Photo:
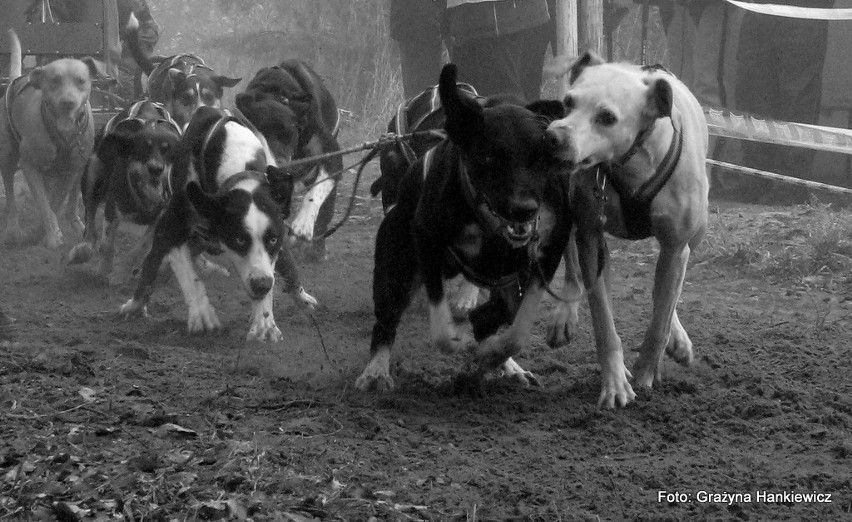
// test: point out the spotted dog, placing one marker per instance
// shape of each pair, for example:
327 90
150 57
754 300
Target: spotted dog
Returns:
295 112
638 140
484 203
182 83
222 202
128 176
46 127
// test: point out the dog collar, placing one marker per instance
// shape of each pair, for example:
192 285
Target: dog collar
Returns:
636 203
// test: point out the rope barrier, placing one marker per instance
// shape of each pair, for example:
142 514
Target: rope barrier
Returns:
779 177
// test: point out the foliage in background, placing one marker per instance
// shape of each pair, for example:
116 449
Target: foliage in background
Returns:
346 41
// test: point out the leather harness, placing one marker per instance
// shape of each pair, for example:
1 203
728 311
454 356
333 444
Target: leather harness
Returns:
65 144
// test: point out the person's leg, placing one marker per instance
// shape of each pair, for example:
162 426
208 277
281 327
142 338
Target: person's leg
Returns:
420 58
528 56
488 65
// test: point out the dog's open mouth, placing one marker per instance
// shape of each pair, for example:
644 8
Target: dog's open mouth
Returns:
519 234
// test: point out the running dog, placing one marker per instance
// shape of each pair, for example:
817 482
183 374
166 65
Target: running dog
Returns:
295 112
485 203
128 175
222 201
638 141
46 126
182 83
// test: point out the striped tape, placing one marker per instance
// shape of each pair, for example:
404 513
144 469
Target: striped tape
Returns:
790 11
722 122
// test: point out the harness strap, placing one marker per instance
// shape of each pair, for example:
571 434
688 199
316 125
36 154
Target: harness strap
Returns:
636 204
478 279
15 88
232 181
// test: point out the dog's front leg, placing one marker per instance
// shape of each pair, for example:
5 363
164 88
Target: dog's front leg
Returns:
201 315
563 324
106 249
84 251
262 325
498 349
53 235
303 224
615 389
668 281
394 281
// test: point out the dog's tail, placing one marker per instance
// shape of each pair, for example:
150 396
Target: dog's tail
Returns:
142 60
15 55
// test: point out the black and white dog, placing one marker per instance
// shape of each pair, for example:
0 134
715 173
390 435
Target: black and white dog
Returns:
296 113
485 203
222 202
127 175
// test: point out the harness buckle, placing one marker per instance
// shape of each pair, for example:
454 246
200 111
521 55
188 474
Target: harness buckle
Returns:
600 195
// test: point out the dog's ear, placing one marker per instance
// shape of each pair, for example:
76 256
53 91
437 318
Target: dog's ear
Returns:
464 118
243 100
35 77
209 207
97 69
587 59
224 81
659 102
550 109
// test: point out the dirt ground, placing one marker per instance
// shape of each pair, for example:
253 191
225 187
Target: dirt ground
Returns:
103 418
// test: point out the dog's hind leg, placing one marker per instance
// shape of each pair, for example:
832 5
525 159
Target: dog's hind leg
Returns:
668 282
394 282
563 325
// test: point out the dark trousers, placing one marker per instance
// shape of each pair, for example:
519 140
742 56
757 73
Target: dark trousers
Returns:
507 64
779 76
420 58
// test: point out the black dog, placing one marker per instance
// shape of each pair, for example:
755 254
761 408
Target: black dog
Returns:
295 112
490 206
222 202
127 174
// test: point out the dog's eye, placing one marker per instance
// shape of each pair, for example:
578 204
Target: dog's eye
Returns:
606 118
241 241
272 241
81 82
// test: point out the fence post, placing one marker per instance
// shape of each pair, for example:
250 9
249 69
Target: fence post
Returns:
566 36
590 25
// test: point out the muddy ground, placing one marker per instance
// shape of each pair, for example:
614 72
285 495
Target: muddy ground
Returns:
103 418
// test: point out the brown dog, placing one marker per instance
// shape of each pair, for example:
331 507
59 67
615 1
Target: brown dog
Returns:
46 127
638 140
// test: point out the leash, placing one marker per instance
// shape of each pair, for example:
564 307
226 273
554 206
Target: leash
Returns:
382 142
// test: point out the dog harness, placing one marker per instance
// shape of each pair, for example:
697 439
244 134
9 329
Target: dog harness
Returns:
403 125
175 63
65 144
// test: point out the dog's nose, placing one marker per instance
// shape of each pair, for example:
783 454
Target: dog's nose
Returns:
260 286
156 170
523 209
66 105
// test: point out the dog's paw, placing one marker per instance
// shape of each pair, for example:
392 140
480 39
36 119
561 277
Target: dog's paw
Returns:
680 347
616 390
513 371
81 253
303 299
647 370
202 318
376 376
264 331
133 308
495 350
563 325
